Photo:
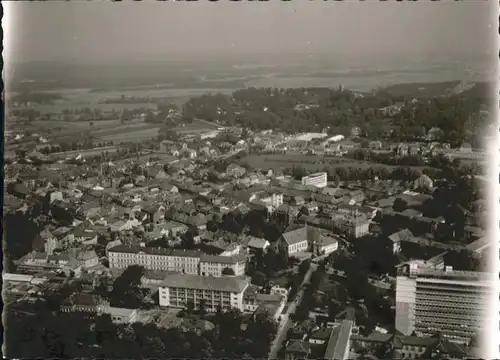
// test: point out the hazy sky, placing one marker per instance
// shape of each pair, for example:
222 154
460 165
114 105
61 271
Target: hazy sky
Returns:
106 31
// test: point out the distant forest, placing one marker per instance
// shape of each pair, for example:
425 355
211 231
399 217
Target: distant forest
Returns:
458 115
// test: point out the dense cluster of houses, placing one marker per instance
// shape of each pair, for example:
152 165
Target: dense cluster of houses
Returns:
100 219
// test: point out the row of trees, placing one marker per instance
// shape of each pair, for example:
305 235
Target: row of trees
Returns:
129 100
88 143
262 267
438 167
36 97
35 330
351 173
373 258
454 115
20 234
266 108
309 300
440 162
126 291
254 222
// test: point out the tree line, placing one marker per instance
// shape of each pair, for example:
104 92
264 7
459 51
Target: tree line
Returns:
36 97
271 108
42 330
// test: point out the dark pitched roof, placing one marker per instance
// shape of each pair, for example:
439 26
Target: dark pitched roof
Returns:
479 244
398 341
322 334
299 346
444 347
152 209
222 259
295 236
402 235
339 341
230 284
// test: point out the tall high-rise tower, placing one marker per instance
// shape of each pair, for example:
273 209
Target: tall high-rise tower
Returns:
453 303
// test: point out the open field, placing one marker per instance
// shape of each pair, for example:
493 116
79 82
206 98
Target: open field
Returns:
126 127
131 134
196 125
162 158
110 130
89 152
106 130
77 98
309 162
58 107
63 125
148 131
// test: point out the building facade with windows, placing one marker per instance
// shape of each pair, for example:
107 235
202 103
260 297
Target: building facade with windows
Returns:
182 261
175 260
353 227
452 303
318 180
214 265
183 291
274 200
326 245
296 241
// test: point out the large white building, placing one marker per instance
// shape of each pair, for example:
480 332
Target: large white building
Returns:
353 227
296 240
182 261
326 245
270 304
175 260
430 300
214 265
274 200
179 291
318 179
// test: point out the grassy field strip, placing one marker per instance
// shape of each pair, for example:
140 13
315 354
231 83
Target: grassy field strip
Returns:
144 134
87 152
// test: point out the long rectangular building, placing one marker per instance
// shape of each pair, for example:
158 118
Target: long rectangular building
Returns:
318 180
452 303
176 260
179 291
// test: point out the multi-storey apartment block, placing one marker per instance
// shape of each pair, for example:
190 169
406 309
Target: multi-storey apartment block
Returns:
296 240
430 301
183 291
274 200
214 265
353 227
182 261
175 260
318 179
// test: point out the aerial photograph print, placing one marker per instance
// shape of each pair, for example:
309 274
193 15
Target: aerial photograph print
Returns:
269 180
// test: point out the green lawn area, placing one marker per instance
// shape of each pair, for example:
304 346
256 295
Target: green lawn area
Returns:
196 125
139 133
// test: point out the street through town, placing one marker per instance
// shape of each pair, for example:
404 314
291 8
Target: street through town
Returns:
286 322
